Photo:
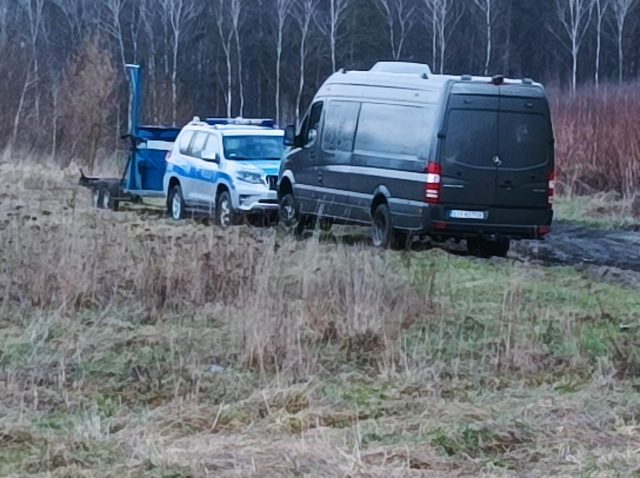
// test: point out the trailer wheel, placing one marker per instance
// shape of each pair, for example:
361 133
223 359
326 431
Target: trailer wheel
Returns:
108 202
97 198
175 204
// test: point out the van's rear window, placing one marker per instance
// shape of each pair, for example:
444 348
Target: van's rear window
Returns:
472 137
394 129
524 139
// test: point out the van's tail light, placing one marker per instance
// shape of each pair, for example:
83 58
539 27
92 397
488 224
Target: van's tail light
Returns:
551 188
433 185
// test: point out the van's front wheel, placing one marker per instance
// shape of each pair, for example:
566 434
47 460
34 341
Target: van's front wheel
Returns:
289 215
383 233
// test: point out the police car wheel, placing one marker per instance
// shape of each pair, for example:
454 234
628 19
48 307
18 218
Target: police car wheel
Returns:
224 210
176 203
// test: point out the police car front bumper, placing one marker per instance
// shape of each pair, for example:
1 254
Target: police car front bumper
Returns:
252 202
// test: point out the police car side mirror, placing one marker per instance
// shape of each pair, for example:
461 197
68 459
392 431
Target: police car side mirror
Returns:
290 135
211 156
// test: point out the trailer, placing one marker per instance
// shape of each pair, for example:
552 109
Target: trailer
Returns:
146 163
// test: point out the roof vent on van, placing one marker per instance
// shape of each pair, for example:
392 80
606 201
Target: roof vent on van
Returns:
466 77
497 80
527 81
402 68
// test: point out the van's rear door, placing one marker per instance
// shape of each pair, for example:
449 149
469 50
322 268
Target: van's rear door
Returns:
469 150
525 149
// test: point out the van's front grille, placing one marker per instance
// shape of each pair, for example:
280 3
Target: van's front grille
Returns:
272 181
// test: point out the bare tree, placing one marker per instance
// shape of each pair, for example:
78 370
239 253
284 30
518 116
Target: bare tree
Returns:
4 16
147 12
236 22
33 13
330 27
179 14
283 10
33 9
225 32
80 15
113 26
601 10
574 17
488 11
305 10
443 16
621 10
399 17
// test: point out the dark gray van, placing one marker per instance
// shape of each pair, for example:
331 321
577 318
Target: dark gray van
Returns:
418 154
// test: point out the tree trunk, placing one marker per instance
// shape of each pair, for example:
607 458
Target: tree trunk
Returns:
240 84
278 66
620 53
489 32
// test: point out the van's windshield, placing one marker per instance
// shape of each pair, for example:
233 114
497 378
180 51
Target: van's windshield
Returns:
253 147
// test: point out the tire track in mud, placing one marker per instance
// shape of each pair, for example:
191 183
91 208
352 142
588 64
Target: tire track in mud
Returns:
611 255
575 244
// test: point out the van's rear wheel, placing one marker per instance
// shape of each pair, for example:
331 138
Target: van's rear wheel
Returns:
289 215
485 248
383 233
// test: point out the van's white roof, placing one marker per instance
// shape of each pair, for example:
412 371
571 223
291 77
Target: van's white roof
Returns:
413 76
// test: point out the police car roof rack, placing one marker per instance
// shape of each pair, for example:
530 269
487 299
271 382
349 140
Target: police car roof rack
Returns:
263 122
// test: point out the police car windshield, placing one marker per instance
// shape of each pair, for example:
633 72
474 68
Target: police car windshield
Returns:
253 147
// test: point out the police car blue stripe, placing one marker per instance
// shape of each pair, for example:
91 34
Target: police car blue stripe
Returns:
201 174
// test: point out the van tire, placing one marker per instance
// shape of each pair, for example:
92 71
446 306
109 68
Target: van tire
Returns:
383 234
175 203
486 249
289 215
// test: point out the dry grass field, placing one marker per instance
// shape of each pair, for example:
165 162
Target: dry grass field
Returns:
133 346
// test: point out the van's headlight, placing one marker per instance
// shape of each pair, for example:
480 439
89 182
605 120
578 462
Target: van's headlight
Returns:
250 177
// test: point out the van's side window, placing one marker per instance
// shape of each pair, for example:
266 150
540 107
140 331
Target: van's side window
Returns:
312 121
394 129
340 123
185 141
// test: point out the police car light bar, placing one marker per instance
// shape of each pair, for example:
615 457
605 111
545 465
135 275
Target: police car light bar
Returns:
264 122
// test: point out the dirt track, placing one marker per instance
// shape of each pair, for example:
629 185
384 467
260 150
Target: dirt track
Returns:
575 244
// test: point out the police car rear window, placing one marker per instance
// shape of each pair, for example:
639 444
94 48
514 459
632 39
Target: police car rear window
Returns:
185 141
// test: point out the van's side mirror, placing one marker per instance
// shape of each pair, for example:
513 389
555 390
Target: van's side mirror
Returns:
211 156
290 135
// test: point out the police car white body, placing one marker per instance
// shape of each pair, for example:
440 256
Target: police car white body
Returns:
224 168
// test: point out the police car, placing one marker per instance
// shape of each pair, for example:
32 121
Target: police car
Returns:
226 168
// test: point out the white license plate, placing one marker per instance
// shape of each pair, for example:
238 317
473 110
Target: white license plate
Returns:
458 214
